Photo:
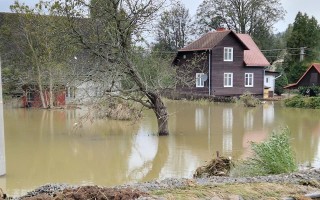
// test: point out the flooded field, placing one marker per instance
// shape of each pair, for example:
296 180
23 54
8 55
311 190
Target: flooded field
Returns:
44 146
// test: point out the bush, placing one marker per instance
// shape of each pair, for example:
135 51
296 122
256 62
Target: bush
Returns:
117 109
304 90
280 83
249 100
303 102
273 156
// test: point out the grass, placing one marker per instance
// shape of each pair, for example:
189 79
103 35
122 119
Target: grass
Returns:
273 156
246 191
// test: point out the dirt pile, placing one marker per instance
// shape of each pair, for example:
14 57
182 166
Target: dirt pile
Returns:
92 192
219 166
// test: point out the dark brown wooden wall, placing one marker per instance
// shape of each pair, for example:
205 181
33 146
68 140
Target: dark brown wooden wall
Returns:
219 67
237 67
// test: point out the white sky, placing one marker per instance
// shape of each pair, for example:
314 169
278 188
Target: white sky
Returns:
311 7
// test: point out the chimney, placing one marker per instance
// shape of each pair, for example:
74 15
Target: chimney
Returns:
220 29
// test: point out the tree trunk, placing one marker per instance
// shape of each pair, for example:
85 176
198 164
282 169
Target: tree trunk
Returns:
161 113
157 104
43 101
51 97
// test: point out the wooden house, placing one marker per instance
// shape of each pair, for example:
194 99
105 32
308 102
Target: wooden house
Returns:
231 64
310 78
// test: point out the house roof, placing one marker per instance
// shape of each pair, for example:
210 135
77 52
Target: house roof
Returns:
209 41
252 53
314 65
272 72
253 56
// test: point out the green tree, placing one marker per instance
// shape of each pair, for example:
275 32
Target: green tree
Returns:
39 36
174 28
305 34
10 57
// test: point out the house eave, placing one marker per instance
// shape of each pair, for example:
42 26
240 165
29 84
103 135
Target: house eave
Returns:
190 50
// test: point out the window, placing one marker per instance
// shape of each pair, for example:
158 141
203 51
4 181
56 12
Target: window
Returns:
228 54
248 80
267 80
199 80
30 95
228 80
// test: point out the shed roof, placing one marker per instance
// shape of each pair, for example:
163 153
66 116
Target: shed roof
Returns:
314 65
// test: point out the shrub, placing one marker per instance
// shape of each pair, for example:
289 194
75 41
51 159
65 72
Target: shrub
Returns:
304 90
303 102
117 109
273 156
249 100
280 83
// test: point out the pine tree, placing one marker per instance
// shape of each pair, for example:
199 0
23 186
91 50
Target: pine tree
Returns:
305 34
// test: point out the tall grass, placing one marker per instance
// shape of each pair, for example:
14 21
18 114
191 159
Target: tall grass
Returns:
273 156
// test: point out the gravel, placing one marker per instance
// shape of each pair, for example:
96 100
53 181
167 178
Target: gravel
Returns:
305 177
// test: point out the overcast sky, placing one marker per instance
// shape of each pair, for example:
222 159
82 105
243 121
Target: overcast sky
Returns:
311 7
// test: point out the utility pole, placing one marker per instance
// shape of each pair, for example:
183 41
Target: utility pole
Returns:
2 147
302 53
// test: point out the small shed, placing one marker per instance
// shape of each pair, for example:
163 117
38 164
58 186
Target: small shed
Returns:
31 96
269 83
310 78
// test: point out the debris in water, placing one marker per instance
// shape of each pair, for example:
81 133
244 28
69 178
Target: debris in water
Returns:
219 166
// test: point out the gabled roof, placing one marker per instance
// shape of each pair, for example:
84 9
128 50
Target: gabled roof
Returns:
209 41
252 53
253 56
314 65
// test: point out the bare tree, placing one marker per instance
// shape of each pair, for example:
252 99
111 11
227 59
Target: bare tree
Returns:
174 28
109 30
242 16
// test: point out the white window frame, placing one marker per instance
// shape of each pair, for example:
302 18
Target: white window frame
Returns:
248 79
199 80
228 79
228 54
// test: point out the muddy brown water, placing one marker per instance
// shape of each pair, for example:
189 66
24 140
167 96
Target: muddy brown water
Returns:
44 147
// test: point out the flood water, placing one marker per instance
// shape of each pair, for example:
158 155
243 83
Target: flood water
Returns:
44 147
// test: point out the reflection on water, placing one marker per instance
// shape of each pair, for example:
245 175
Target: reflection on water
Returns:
44 147
199 118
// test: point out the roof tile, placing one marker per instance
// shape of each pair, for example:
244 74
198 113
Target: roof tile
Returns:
252 56
207 41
